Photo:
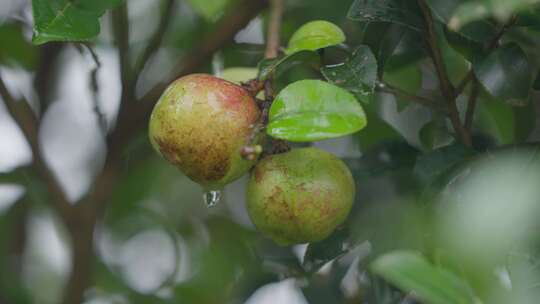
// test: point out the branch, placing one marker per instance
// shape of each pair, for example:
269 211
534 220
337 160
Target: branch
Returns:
444 81
471 105
274 29
26 121
156 39
385 88
94 85
136 117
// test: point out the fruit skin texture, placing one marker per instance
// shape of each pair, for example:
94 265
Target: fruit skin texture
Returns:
200 123
300 196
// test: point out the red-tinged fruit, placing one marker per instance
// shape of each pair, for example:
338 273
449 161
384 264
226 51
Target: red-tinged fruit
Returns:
300 196
200 124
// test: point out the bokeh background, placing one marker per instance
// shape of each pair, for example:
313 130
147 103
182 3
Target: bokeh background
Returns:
157 241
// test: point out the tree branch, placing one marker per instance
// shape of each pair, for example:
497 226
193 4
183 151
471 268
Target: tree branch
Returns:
94 86
274 28
471 105
444 81
27 122
156 39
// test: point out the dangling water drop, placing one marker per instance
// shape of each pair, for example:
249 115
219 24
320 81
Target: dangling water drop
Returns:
212 197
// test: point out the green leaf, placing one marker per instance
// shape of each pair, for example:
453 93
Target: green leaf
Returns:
404 12
268 67
497 119
435 134
18 50
315 35
68 20
407 78
239 74
506 73
412 272
470 11
358 74
434 164
210 9
310 110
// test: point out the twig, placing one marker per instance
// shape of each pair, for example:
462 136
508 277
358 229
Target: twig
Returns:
386 88
274 29
120 25
444 81
272 51
94 85
471 105
27 122
156 39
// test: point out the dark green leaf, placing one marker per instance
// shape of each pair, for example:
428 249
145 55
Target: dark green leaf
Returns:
68 20
525 121
435 134
315 35
412 272
506 73
404 12
470 11
310 110
496 118
320 253
432 165
407 78
358 74
376 132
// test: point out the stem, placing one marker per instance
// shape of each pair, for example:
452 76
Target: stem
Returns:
445 83
274 29
471 105
385 88
80 276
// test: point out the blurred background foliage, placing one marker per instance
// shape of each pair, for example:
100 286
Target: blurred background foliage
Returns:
434 221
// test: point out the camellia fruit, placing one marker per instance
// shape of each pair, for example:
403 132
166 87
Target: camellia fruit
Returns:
200 124
300 196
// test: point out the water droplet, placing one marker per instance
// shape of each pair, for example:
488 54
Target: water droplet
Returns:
212 197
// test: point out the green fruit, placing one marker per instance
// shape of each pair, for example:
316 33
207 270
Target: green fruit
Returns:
300 196
200 124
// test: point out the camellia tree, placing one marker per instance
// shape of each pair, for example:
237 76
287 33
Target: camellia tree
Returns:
366 151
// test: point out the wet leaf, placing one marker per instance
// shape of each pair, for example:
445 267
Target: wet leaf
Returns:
404 12
358 74
412 272
68 20
310 110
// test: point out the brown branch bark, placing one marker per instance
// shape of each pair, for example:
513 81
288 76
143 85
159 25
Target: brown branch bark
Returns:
471 105
27 122
444 81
